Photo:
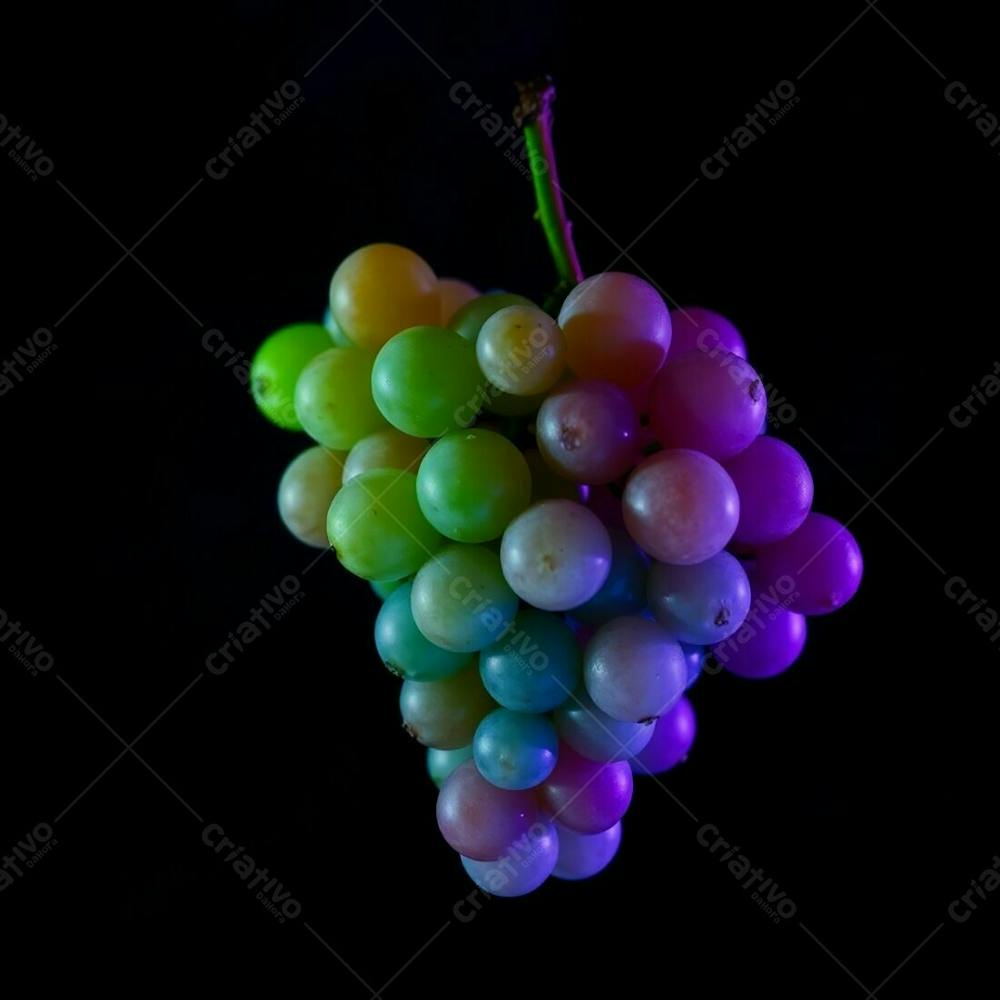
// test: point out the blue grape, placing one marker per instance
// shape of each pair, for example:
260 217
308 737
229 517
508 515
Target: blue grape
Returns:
582 855
534 665
403 647
624 591
515 750
594 734
694 657
525 865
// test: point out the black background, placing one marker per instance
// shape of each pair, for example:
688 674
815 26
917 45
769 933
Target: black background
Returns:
854 245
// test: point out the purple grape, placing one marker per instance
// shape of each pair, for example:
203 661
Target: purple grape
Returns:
822 561
480 820
768 644
582 855
695 328
588 432
633 669
522 868
681 506
556 555
584 795
775 488
712 403
700 604
671 741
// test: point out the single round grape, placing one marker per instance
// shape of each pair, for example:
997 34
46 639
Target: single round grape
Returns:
469 320
766 645
695 328
822 560
306 491
681 506
514 749
472 484
382 289
440 763
546 485
521 350
445 713
585 795
694 657
339 338
634 669
556 555
404 649
376 527
426 382
460 600
522 869
701 603
616 327
479 820
712 403
276 368
385 449
588 431
775 488
534 665
333 398
624 591
582 855
383 588
594 734
454 294
671 741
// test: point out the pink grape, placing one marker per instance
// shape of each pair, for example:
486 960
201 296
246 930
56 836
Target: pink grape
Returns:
775 488
616 327
823 559
634 669
681 506
695 328
712 403
479 820
584 795
588 431
671 741
556 555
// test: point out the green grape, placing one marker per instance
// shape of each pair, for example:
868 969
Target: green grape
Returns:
471 484
444 714
521 350
385 449
469 320
460 599
276 368
333 398
440 763
306 490
376 527
426 382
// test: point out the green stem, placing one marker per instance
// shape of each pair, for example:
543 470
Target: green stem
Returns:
534 114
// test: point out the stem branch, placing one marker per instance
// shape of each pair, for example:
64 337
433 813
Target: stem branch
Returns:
533 114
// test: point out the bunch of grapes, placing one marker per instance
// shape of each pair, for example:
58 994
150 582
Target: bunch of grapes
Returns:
563 517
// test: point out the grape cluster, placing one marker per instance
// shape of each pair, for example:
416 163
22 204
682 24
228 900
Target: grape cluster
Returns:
564 518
